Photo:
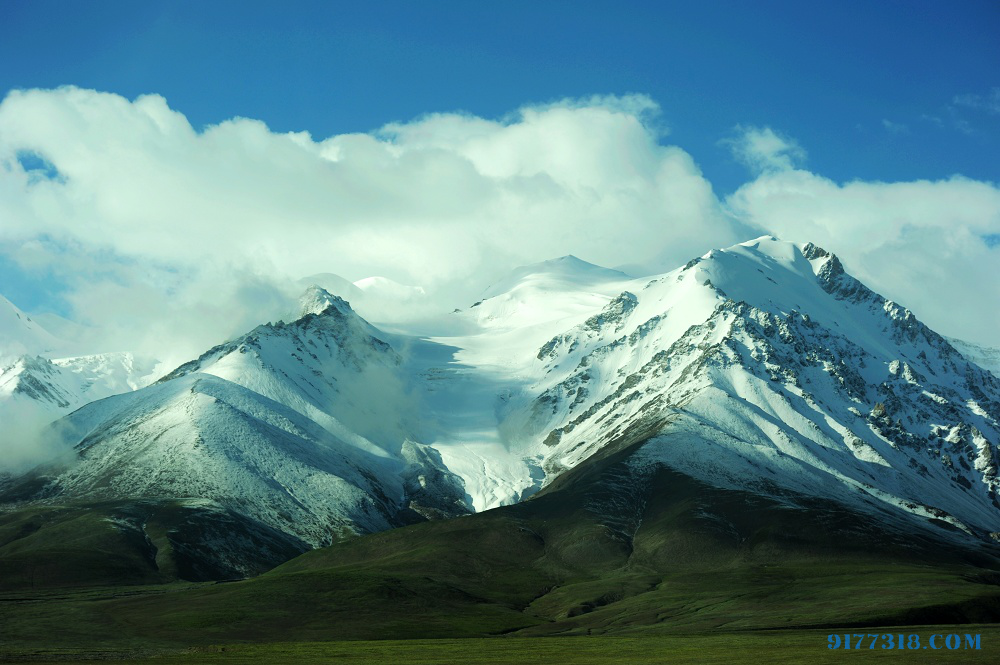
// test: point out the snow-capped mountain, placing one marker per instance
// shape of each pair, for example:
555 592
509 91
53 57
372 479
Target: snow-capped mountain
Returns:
300 426
766 365
763 367
36 366
39 382
21 335
476 376
35 391
987 357
374 298
333 284
63 384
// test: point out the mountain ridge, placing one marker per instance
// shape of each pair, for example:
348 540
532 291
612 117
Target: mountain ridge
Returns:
761 368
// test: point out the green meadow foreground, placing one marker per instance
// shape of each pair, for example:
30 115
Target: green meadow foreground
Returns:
546 580
795 646
689 618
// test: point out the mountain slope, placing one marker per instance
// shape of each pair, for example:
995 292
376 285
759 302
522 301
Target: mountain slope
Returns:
771 367
66 383
294 428
34 391
473 375
602 550
986 357
20 335
762 369
778 367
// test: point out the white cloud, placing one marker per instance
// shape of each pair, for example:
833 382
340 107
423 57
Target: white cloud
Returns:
170 235
923 243
25 441
989 103
763 150
895 127
167 237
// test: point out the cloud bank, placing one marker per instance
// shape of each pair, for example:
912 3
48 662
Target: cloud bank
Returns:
150 222
166 236
926 244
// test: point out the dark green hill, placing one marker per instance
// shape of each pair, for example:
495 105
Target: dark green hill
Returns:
114 543
602 550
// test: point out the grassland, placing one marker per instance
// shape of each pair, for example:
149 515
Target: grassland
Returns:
706 575
797 646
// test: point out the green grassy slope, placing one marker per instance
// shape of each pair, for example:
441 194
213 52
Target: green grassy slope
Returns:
721 648
132 542
598 553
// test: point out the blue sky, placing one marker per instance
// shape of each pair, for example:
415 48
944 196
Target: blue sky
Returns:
478 135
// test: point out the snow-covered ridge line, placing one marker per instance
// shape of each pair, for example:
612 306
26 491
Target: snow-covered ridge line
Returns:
757 366
987 357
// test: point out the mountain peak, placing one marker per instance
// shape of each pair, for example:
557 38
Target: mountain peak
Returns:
317 300
570 263
769 270
567 272
383 287
20 334
568 260
333 284
766 238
